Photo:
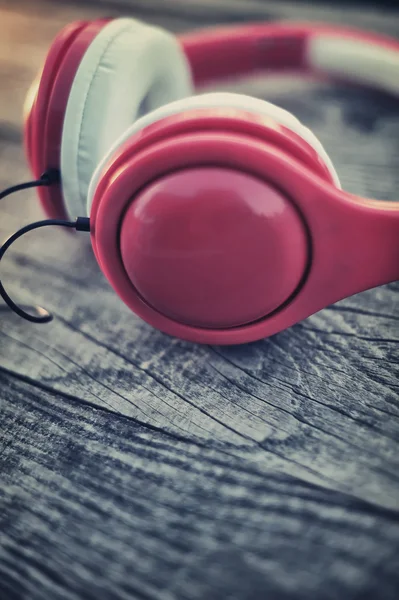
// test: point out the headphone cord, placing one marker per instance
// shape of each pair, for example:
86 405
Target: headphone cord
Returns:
43 316
48 178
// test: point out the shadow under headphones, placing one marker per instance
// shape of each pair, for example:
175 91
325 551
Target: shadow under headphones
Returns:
217 218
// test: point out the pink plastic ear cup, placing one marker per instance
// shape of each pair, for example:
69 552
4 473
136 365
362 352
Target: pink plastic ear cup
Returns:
156 177
36 111
45 116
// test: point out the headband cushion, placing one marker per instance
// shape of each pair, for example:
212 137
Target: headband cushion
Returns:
218 100
129 68
363 61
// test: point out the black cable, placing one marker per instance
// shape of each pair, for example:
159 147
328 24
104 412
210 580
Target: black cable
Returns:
81 224
48 178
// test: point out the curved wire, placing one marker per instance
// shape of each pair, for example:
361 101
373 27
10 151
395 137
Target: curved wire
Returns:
48 178
43 316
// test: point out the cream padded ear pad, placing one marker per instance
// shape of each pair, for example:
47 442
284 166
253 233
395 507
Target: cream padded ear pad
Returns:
218 100
129 68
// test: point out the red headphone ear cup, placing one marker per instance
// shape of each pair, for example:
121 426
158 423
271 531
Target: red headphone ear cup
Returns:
226 236
46 103
38 96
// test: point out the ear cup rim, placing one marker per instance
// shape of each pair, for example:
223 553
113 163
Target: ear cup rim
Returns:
218 101
207 120
44 120
36 117
59 98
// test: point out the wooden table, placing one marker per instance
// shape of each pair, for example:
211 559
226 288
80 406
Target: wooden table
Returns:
135 465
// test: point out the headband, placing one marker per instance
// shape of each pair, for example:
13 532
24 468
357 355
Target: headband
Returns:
337 53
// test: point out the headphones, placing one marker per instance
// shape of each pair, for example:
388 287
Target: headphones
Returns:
217 217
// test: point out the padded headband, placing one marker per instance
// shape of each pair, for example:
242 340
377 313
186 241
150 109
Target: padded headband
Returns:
335 52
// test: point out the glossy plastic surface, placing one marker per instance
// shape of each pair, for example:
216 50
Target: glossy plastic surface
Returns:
213 247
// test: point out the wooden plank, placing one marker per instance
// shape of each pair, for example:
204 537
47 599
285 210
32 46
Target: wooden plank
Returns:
134 465
120 510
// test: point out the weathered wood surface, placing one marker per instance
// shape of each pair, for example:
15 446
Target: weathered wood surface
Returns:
134 465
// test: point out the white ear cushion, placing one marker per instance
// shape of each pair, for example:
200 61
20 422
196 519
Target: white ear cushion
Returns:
129 68
217 100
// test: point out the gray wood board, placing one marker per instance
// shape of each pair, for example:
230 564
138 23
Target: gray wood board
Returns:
134 465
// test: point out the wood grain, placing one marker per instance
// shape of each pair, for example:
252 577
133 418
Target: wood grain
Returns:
134 465
100 506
